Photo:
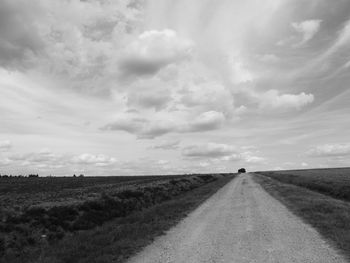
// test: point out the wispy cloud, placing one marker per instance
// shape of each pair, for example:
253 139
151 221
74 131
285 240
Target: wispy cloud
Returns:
208 72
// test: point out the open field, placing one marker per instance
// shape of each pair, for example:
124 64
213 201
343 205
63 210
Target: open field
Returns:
20 193
333 182
69 209
320 197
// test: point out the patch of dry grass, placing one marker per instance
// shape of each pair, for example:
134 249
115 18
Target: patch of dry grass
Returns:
334 182
330 216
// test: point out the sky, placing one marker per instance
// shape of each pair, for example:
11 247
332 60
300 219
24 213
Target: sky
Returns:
133 87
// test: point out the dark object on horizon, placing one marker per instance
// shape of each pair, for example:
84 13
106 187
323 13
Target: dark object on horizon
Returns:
242 170
33 175
81 175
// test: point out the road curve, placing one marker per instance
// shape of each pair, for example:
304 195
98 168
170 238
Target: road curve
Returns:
241 223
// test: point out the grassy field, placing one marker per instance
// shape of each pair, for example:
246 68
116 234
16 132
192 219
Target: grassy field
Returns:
320 197
93 219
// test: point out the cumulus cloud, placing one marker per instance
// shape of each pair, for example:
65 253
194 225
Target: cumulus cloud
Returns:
273 100
329 150
5 145
155 129
207 95
153 50
307 29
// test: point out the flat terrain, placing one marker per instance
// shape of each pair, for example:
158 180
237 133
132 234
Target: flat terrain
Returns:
19 193
68 219
320 197
240 223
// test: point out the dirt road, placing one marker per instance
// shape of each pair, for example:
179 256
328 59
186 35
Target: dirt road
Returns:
240 223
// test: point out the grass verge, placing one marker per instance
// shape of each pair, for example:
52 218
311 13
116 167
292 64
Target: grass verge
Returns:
333 182
118 239
328 215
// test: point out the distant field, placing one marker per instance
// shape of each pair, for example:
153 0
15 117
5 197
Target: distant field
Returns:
20 193
50 212
321 197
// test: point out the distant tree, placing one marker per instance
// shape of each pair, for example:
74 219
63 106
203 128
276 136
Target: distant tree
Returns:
74 175
81 175
242 170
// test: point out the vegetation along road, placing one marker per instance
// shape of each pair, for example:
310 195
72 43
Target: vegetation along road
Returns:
240 223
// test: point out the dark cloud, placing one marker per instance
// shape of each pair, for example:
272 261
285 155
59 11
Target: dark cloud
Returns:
141 66
19 38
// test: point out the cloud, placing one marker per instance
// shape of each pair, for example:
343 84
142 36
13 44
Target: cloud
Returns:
207 96
254 159
307 29
207 121
155 129
153 50
48 162
43 156
150 129
149 98
5 161
19 37
91 159
269 58
303 164
216 153
272 100
5 145
143 128
329 150
208 150
167 145
130 125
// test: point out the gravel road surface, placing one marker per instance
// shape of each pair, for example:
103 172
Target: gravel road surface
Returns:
241 223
